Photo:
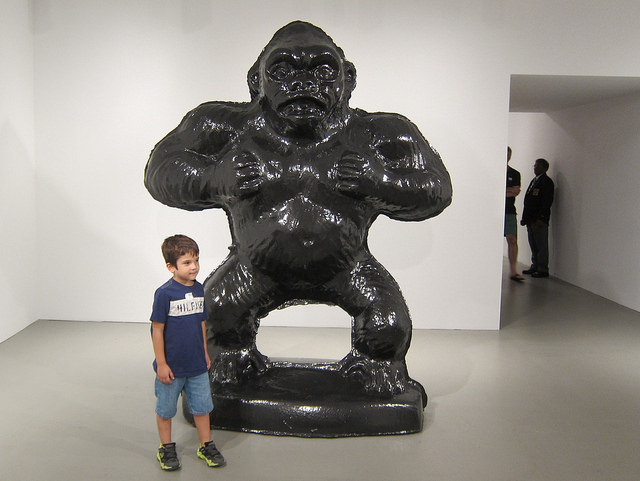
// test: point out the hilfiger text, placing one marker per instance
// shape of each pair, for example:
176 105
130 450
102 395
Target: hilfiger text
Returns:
183 307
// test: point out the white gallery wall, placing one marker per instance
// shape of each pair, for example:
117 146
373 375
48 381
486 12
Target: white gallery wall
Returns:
112 78
594 151
18 280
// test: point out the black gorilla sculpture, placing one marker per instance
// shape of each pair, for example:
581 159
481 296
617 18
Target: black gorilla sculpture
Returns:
302 176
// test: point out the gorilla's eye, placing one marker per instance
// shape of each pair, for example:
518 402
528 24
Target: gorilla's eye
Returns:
280 71
325 72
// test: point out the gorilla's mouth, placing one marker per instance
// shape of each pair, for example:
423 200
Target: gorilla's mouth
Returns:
302 107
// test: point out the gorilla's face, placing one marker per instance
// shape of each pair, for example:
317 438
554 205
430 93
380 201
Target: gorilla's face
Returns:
303 83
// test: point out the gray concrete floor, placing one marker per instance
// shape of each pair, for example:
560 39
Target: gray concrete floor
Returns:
554 395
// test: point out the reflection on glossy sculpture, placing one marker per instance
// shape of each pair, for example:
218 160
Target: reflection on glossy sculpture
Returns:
302 176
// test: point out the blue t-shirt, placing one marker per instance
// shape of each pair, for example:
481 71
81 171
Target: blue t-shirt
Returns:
181 309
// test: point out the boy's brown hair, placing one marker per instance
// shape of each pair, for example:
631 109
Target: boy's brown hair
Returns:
178 245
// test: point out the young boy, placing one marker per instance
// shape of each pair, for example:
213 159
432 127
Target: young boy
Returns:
181 358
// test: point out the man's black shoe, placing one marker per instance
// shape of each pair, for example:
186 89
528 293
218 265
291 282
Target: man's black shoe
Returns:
529 271
540 274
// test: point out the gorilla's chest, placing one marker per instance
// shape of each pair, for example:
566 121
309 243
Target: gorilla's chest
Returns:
298 218
302 179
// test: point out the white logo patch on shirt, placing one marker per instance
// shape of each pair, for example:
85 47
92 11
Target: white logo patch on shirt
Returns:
184 307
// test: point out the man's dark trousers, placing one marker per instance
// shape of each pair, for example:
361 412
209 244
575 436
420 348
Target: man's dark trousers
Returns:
538 233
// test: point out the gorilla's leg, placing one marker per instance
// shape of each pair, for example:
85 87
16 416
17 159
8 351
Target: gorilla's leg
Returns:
381 328
236 297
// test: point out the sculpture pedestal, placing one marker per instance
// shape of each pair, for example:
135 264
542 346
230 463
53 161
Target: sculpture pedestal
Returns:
312 400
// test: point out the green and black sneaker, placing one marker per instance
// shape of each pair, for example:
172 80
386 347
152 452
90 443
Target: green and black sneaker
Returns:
168 458
211 455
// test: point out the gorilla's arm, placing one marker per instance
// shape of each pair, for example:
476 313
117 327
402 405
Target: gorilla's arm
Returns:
191 167
406 179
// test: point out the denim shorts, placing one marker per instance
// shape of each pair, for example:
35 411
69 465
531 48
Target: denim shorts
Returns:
196 388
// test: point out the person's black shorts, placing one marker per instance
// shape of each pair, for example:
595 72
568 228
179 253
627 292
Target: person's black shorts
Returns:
510 225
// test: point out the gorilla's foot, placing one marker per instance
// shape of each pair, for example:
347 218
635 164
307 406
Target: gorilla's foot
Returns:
384 378
235 365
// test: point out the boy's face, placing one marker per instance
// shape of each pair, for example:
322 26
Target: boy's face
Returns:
186 269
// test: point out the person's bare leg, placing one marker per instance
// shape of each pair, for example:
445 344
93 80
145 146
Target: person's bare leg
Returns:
209 453
512 250
203 426
164 429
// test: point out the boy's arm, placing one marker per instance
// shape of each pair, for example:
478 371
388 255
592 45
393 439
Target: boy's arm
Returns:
165 375
206 352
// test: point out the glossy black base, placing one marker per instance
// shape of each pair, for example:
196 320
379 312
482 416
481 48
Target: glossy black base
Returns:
312 400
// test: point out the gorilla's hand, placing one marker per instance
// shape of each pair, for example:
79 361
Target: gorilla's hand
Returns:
249 173
357 175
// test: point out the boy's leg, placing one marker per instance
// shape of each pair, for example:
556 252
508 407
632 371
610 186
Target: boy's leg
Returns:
166 407
203 426
198 392
164 429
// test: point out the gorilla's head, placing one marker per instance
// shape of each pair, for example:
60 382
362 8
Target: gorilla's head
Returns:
302 76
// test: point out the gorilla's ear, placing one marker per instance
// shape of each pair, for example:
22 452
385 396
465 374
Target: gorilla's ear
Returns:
253 79
349 75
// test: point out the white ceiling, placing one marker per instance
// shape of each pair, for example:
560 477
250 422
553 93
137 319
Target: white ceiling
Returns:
547 93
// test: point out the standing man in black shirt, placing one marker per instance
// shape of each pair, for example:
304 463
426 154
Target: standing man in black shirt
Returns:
510 222
536 214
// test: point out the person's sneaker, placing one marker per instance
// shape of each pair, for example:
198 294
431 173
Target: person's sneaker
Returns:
211 455
168 458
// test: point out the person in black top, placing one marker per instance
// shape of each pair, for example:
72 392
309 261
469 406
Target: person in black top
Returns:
536 214
510 222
